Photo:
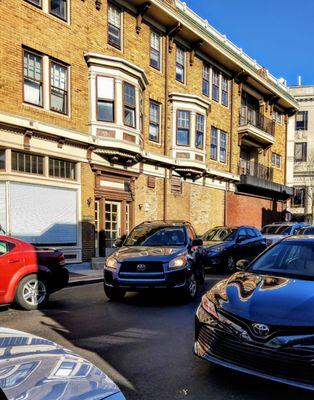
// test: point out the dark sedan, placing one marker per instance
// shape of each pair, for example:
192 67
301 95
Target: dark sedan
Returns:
260 320
224 246
305 230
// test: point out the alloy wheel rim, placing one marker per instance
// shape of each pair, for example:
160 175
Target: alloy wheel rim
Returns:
230 263
192 286
34 292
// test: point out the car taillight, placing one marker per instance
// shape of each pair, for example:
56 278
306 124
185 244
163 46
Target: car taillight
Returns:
62 260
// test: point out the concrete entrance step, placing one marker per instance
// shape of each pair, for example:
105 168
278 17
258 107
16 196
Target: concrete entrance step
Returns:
98 262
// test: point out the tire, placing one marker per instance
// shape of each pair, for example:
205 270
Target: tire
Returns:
114 293
230 264
191 287
32 292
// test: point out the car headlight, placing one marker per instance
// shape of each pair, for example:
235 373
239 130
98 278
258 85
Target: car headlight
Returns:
111 262
178 262
209 306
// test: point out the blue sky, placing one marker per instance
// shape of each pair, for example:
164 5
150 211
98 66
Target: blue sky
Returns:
279 34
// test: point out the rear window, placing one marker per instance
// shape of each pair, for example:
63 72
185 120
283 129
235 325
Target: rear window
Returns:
276 230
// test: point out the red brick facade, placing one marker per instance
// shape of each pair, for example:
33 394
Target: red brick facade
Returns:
250 210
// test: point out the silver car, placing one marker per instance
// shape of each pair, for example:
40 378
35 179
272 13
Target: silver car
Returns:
275 232
33 368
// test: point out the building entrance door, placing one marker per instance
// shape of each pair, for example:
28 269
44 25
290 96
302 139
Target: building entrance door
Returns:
112 224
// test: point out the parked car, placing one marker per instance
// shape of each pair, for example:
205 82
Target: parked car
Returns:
274 232
38 369
305 230
155 254
260 320
224 246
28 275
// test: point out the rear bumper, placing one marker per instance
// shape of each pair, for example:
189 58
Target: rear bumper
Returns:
169 280
235 354
59 279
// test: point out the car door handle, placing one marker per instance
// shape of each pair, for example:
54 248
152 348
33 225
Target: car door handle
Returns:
12 261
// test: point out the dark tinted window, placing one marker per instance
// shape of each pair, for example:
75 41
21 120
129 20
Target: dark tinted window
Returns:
218 234
5 247
291 258
276 230
147 235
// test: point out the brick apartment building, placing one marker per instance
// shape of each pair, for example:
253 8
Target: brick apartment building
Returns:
112 113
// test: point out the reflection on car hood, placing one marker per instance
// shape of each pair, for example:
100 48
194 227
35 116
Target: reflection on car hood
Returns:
267 299
211 245
273 238
141 253
38 369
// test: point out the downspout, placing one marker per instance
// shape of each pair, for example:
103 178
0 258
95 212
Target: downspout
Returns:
166 127
230 152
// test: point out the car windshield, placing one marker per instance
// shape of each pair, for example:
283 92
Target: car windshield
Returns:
156 236
219 234
287 258
276 230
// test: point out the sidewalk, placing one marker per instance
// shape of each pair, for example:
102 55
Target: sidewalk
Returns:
82 274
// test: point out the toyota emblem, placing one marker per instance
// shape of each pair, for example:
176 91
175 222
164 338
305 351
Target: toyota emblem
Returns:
260 329
141 267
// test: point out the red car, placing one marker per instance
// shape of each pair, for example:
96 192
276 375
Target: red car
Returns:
29 275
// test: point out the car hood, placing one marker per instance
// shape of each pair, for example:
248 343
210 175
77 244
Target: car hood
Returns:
142 253
266 299
38 369
213 245
273 238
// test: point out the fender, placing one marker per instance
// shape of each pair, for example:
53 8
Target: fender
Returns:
20 274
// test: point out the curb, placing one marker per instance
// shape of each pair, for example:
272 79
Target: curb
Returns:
84 281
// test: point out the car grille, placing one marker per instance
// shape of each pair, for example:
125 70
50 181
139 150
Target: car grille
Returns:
289 363
153 270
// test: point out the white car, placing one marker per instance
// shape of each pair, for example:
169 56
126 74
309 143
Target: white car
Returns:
275 232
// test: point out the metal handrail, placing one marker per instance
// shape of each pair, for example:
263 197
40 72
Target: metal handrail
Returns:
258 170
253 117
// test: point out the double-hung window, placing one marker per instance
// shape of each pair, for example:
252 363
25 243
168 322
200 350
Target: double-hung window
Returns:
183 128
33 79
299 198
58 8
180 65
223 147
105 99
200 130
224 90
206 79
276 160
114 26
35 2
59 88
214 143
155 42
215 85
277 116
301 120
129 105
154 121
300 151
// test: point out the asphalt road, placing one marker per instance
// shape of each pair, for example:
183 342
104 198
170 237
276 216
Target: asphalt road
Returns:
145 344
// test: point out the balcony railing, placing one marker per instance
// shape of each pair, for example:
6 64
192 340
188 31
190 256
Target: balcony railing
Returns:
255 169
249 116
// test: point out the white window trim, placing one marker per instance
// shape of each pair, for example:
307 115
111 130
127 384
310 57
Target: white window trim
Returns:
45 7
158 142
279 158
219 131
121 50
160 70
184 83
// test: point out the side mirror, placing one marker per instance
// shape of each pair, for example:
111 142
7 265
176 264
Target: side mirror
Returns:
119 242
197 242
242 264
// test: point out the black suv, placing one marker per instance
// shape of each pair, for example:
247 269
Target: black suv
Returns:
156 254
224 246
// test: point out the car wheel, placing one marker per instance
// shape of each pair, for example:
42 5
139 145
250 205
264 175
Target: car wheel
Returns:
230 264
114 293
190 288
32 292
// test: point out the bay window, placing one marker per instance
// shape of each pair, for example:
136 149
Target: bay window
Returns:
154 121
183 128
114 26
155 41
105 99
200 130
33 79
129 105
59 88
58 8
180 65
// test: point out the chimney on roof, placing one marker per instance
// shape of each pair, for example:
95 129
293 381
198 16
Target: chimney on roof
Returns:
299 80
